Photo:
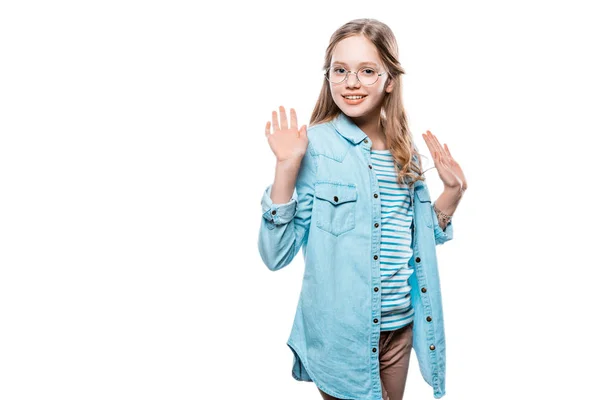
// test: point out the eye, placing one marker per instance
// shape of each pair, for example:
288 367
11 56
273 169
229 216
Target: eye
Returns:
339 70
368 71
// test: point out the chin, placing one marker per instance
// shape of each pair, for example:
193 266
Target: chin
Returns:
351 111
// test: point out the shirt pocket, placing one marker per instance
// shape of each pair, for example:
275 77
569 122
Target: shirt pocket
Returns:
335 207
423 196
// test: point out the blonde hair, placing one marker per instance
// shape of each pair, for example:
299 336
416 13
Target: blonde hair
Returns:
392 119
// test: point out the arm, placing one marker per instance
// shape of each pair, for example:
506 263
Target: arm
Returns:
453 178
447 203
284 225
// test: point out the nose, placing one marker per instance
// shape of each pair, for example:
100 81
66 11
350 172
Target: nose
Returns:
352 80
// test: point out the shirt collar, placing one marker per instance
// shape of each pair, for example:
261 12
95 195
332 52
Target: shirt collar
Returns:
348 129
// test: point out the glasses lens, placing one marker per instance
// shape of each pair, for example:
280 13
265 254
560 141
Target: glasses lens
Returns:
368 76
336 74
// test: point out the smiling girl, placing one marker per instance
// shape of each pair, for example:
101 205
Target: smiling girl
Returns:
350 192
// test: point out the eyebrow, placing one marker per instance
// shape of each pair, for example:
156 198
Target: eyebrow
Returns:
362 63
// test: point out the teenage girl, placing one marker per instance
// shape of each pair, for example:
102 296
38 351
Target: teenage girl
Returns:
351 193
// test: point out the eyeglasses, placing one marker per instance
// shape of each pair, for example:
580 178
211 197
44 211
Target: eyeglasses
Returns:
338 74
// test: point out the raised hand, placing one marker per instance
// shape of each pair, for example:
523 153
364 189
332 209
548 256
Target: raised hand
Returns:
450 172
287 143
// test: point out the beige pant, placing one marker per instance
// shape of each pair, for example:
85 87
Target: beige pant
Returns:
394 355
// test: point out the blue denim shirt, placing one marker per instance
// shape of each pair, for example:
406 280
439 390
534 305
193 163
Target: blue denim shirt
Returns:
334 216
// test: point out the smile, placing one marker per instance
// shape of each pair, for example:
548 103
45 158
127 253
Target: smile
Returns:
353 100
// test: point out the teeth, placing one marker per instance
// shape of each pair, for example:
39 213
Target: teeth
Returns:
354 97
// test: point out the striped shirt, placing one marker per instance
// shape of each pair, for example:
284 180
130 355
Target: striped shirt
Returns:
396 219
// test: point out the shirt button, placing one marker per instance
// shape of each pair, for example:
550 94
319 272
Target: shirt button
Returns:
423 290
432 347
418 259
374 350
335 198
376 289
370 167
376 225
375 195
375 257
376 320
428 318
273 212
366 141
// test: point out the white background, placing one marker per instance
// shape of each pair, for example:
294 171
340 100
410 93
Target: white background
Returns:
133 160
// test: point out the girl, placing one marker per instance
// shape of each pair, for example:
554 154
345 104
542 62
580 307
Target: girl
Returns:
350 191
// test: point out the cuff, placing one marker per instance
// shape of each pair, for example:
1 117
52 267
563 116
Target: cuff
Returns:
278 214
442 236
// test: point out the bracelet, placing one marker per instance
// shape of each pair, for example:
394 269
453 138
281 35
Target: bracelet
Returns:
444 217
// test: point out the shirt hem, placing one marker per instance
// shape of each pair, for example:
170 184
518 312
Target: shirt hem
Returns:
293 347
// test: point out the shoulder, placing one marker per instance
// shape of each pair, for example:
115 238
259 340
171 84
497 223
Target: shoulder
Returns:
321 133
325 140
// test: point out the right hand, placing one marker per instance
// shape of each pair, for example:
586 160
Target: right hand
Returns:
288 143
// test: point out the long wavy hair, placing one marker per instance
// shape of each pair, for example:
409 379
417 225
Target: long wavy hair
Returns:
392 118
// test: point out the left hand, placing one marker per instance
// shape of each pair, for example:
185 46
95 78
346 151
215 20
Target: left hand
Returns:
450 172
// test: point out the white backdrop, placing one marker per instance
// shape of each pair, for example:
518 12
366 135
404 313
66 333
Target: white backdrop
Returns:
133 160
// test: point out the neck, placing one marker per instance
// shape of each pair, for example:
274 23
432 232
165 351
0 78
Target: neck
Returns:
370 126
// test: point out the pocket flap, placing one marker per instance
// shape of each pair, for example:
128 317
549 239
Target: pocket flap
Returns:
335 193
423 195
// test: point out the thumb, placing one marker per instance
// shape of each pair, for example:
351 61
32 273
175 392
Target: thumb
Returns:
303 130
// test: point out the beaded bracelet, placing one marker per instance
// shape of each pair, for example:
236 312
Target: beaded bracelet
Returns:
444 217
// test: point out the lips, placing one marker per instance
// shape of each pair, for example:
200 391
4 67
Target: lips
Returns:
353 101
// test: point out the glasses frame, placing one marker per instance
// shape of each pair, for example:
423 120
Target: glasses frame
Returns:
355 73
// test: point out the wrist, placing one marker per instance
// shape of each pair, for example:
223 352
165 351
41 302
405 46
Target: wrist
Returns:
293 163
442 217
455 191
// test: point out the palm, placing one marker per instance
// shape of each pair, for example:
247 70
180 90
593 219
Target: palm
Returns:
449 170
287 143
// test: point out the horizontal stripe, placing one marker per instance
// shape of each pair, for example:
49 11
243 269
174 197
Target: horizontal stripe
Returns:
395 246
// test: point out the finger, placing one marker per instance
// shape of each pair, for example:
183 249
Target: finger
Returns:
294 119
429 145
302 131
442 160
447 149
275 121
437 158
439 145
427 141
268 129
284 122
436 143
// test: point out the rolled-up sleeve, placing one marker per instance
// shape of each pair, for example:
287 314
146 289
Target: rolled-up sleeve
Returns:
441 235
284 227
278 214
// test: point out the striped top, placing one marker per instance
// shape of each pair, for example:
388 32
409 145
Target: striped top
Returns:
396 219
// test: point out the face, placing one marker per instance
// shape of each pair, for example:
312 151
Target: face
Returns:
352 54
